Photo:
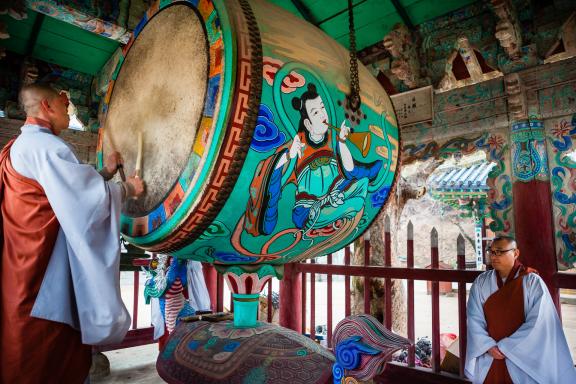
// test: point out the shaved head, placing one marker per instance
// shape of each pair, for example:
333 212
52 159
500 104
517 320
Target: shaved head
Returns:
41 101
32 95
508 240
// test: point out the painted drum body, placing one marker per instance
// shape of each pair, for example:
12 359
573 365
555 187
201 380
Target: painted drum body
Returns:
249 151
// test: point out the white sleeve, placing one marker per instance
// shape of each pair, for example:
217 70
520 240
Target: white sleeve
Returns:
478 339
88 210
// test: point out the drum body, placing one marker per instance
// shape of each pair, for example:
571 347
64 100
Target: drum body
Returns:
249 149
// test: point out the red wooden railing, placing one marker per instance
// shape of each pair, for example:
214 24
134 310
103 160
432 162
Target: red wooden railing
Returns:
294 303
461 276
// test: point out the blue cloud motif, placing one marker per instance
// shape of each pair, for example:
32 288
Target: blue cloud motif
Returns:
350 351
337 373
379 197
231 257
266 136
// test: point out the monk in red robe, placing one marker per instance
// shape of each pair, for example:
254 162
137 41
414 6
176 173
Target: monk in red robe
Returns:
514 333
32 349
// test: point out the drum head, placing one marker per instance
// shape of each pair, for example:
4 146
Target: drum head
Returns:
159 94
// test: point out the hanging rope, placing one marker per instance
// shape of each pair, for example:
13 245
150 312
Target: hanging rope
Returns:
354 97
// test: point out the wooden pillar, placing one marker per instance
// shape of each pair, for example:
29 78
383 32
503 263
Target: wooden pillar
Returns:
291 298
533 216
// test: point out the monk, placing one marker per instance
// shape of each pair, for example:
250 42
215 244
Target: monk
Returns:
514 333
59 270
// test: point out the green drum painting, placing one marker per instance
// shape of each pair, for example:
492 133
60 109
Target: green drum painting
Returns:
237 115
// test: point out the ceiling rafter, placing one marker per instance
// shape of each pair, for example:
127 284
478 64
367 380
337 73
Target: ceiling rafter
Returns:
339 13
34 34
304 11
403 14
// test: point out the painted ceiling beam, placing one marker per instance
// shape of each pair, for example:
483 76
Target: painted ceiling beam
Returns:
403 15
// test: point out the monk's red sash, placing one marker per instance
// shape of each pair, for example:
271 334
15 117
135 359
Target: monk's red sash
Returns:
32 350
504 313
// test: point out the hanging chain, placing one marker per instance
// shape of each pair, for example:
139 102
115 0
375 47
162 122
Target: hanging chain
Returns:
354 81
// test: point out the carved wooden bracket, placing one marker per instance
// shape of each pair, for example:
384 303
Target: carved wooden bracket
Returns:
517 105
405 65
508 30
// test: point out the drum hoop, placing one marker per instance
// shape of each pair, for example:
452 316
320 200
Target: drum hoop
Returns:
237 138
162 216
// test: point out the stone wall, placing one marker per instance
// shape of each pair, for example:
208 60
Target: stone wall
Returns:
83 143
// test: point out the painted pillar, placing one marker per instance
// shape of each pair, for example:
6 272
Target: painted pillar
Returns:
532 200
291 298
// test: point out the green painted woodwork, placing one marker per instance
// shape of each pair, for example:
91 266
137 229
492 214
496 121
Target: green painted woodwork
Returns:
20 32
72 47
59 43
424 10
373 18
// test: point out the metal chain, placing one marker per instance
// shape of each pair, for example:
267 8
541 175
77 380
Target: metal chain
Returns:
354 81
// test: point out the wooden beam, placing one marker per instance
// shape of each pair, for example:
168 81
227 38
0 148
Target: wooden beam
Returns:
34 35
391 272
403 15
339 13
304 11
134 338
565 280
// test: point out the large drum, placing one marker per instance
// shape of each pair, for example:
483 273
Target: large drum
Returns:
237 114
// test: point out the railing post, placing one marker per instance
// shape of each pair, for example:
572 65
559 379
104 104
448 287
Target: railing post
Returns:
291 298
435 303
312 304
135 303
410 286
303 308
347 307
367 288
461 262
387 281
219 293
329 306
270 303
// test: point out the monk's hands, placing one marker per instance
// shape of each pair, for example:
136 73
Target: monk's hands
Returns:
112 162
136 187
296 148
496 353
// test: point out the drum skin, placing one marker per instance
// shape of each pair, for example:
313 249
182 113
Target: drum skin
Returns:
250 151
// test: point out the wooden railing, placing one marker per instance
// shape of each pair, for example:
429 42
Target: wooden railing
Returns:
306 272
294 306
